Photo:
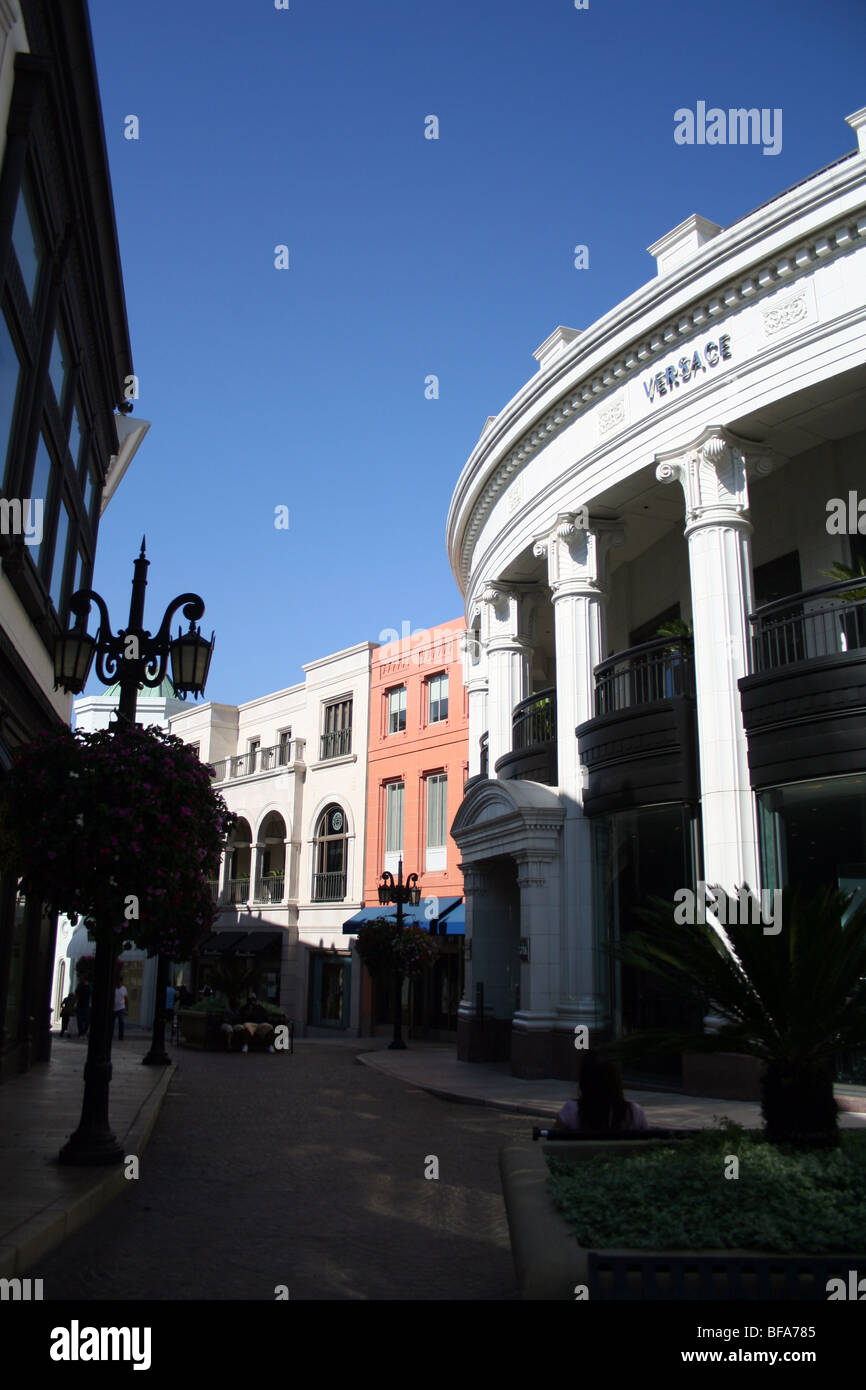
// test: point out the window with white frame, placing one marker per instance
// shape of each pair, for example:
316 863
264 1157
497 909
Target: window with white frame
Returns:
397 710
437 822
437 698
395 800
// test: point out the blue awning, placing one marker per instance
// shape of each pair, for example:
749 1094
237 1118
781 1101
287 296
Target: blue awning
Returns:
451 920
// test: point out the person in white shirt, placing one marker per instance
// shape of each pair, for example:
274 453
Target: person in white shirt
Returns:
121 1000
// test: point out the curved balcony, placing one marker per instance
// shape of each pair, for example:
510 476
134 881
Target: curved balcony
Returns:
663 669
804 704
640 749
533 741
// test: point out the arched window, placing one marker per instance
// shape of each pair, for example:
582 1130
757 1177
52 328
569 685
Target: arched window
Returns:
329 857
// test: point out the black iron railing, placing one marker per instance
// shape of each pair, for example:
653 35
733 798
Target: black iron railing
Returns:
270 889
336 744
657 670
826 621
329 888
533 721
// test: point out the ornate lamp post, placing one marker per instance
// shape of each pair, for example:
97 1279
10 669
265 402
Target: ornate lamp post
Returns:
131 658
399 893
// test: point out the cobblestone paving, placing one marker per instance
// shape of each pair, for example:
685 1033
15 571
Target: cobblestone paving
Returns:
306 1171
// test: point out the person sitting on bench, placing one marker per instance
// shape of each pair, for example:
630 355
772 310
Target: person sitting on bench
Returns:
601 1104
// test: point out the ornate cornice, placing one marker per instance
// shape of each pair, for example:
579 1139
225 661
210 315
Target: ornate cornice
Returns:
762 279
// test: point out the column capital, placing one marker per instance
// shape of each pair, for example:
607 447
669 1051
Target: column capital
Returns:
533 869
578 548
713 473
503 622
473 879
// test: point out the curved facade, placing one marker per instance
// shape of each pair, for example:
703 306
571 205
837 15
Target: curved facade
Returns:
645 539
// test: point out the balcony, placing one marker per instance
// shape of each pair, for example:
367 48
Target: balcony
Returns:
337 743
533 741
804 704
659 670
214 886
640 749
269 759
270 889
329 888
239 890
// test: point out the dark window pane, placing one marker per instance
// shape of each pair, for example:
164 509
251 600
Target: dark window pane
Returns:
59 556
39 488
58 368
10 380
27 241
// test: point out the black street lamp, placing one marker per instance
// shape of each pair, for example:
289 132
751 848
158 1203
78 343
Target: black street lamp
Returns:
132 658
399 893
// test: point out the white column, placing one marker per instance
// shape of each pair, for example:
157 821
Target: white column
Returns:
475 680
224 874
256 851
540 975
713 476
578 550
508 656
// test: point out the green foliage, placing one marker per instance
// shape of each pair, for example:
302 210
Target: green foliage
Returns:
794 999
383 948
676 1196
839 572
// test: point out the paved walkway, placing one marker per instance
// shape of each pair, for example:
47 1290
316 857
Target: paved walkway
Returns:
42 1204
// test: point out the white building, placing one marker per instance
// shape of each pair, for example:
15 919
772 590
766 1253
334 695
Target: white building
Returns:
676 461
293 768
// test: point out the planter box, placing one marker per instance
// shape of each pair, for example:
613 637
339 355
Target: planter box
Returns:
551 1265
202 1030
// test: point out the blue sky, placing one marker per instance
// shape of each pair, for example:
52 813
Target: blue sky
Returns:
305 387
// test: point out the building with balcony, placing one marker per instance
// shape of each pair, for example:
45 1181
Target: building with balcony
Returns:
668 679
292 766
417 763
66 438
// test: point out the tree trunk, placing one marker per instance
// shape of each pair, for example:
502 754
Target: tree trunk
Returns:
798 1104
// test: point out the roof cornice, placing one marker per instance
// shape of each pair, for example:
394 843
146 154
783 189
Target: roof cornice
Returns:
731 269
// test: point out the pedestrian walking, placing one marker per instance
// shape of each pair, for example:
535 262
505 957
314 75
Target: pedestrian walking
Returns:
67 1008
121 1001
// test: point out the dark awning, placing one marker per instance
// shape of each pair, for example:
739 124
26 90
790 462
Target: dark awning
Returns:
451 920
255 943
219 943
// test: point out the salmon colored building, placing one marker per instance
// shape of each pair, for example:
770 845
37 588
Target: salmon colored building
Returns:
418 761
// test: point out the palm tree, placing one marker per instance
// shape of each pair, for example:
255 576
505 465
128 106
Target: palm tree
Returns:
795 998
233 978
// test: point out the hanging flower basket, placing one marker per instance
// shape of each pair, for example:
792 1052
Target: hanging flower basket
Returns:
121 828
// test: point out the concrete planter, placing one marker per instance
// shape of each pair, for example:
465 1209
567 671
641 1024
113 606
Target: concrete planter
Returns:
551 1265
200 1029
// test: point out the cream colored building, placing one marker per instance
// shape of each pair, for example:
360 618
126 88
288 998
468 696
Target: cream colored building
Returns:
293 768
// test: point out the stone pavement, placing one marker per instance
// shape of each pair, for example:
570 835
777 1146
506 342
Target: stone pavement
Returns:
435 1068
42 1204
306 1171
